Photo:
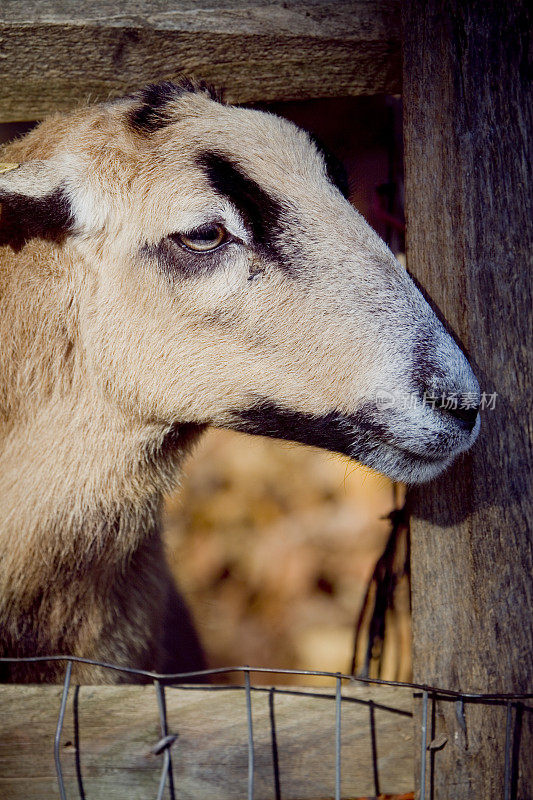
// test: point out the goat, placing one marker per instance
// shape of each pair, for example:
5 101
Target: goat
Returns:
170 262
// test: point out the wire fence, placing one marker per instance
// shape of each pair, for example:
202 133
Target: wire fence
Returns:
511 703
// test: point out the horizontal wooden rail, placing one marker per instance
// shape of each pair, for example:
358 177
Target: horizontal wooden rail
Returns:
119 726
55 56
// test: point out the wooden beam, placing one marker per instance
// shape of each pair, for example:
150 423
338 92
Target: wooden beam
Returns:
468 155
118 727
54 57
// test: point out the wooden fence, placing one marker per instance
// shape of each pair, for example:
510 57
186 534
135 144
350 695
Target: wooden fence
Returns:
109 733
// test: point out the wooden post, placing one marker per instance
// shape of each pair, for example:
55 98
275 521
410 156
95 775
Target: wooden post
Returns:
468 140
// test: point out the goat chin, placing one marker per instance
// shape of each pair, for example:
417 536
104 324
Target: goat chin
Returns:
410 448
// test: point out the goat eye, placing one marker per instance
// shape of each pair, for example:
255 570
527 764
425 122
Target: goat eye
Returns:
203 239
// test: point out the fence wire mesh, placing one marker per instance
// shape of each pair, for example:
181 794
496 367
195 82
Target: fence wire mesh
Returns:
511 704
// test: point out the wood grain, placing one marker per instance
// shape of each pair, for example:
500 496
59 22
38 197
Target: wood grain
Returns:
52 59
468 154
118 727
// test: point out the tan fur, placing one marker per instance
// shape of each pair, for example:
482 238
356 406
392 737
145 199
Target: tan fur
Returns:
109 371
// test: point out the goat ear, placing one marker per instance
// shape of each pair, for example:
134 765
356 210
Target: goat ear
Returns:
34 203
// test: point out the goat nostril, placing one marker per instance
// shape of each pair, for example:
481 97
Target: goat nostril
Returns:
466 416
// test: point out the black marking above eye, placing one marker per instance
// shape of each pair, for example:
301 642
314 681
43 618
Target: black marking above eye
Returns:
261 212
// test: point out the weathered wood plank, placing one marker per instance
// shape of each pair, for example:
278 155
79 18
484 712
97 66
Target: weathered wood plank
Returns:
54 56
118 726
468 122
